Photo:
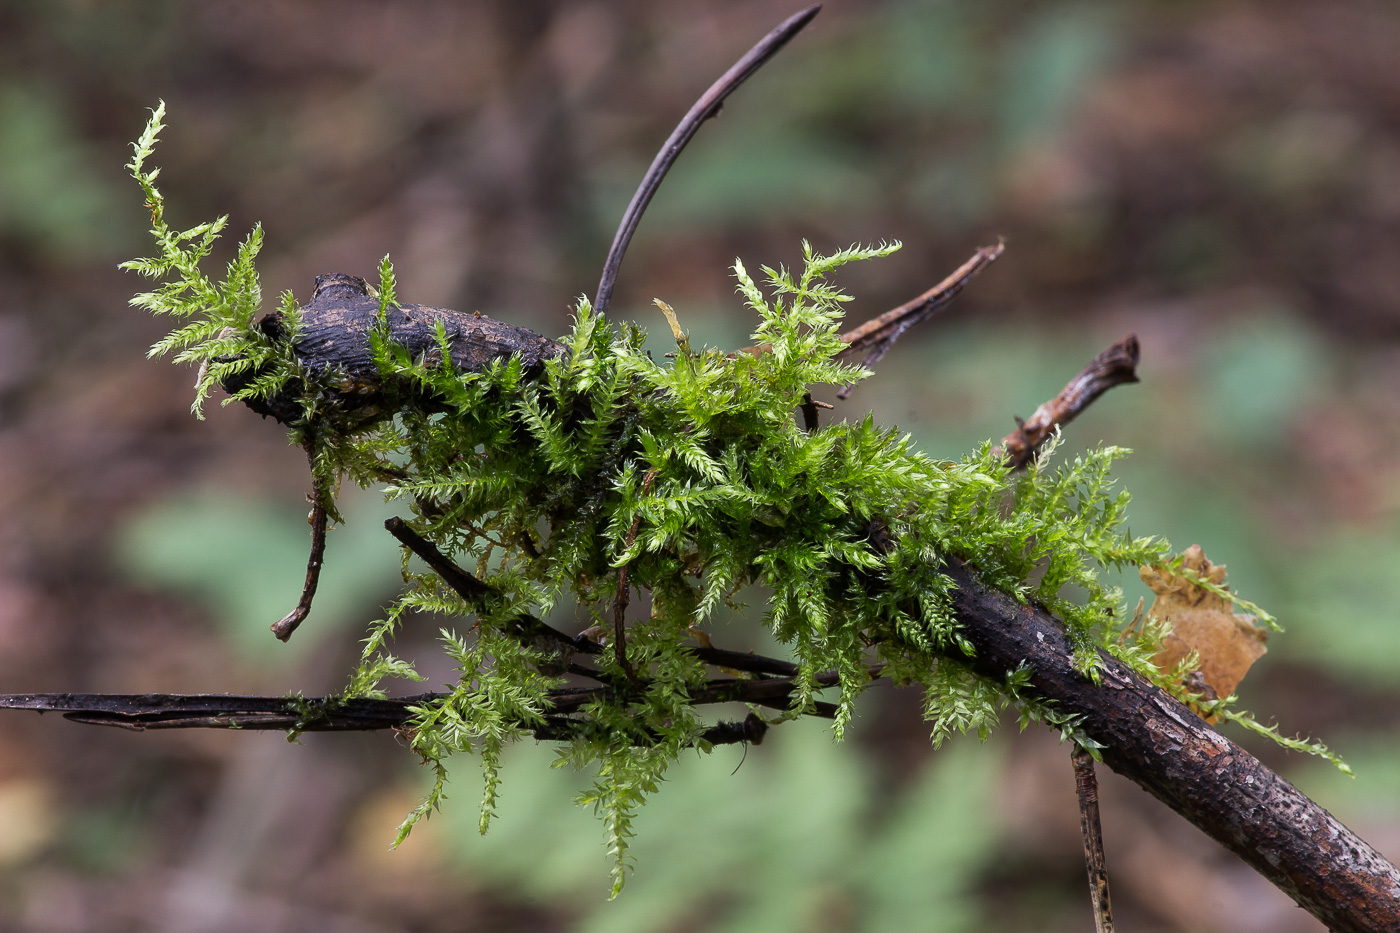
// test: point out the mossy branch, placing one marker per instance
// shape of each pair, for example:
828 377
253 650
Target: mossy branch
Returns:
572 470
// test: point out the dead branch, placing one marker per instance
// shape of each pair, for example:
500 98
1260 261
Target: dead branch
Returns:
1149 737
1113 367
1145 734
140 712
879 334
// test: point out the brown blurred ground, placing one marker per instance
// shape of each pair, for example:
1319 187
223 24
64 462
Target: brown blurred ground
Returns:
1222 178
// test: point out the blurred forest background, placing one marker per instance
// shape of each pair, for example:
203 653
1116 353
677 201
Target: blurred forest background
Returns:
1222 178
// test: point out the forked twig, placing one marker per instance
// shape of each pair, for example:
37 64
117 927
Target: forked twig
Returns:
1113 367
707 106
552 641
879 334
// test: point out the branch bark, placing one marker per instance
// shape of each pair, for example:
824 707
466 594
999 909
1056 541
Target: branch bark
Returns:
1155 741
876 336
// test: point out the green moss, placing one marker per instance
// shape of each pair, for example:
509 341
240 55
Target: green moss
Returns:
693 475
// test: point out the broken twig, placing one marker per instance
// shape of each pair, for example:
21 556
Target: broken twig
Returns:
285 626
879 334
1113 367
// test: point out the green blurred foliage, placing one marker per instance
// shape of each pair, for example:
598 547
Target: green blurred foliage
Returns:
787 836
1346 596
1373 795
1257 371
52 194
1049 66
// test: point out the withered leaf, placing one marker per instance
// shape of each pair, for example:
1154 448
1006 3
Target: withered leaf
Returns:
1227 642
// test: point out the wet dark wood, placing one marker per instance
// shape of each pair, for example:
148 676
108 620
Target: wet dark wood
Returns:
335 350
148 711
1155 741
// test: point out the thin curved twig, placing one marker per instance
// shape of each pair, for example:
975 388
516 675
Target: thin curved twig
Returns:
707 106
1086 785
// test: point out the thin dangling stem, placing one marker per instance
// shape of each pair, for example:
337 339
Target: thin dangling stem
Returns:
1086 784
285 626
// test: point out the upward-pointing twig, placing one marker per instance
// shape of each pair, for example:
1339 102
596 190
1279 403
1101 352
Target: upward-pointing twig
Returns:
707 106
878 334
1113 367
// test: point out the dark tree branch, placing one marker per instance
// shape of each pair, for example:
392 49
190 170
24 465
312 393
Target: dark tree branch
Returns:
332 714
334 348
476 594
1145 734
139 712
706 107
472 590
809 413
220 711
1113 367
1149 737
879 334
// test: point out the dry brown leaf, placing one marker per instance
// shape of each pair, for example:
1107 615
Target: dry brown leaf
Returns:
1227 642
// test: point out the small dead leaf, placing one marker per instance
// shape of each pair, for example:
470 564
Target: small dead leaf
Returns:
1227 642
